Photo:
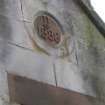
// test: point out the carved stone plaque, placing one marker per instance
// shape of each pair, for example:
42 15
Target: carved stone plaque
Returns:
50 36
48 29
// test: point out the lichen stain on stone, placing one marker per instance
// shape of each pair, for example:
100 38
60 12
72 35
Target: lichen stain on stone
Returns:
94 39
98 39
92 46
87 37
83 26
92 35
37 48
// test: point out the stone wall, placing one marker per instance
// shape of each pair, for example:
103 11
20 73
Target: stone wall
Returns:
77 65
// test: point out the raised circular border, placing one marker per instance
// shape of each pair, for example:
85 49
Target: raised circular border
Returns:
59 26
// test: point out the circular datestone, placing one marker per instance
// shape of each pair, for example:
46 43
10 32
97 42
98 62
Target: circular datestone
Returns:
48 29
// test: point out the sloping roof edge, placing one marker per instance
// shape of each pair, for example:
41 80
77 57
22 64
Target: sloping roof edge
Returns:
93 16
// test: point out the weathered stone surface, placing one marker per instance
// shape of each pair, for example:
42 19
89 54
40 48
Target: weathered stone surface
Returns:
69 77
13 31
4 93
90 51
29 64
18 55
30 8
11 9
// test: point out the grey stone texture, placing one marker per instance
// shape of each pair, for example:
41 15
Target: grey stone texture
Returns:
11 9
82 71
31 65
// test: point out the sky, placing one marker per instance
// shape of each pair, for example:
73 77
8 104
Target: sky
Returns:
99 7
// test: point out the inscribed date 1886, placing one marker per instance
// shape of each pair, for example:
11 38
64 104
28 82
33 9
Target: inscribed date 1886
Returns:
48 29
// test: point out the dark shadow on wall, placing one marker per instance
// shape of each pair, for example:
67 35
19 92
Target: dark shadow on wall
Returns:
5 32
